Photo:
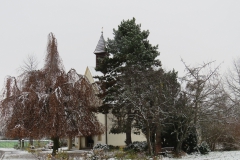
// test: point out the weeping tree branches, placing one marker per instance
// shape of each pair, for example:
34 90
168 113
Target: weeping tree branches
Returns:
50 102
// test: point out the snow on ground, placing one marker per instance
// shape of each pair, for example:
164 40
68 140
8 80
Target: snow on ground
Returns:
227 155
13 154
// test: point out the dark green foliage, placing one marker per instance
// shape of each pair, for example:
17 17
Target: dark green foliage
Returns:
101 146
204 148
111 147
190 143
128 49
169 139
130 45
136 146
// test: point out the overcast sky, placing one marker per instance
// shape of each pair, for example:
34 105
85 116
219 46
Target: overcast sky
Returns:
196 31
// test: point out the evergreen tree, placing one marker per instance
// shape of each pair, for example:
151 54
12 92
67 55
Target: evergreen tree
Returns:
129 48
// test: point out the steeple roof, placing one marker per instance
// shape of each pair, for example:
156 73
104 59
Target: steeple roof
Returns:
100 46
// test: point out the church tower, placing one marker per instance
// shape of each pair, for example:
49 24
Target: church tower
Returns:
100 50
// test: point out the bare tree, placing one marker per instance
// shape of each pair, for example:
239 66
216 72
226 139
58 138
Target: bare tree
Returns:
232 87
202 83
233 81
30 64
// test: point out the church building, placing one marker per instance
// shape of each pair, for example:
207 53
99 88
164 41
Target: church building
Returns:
105 119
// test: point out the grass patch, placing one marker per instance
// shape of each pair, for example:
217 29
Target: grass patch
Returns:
8 143
13 143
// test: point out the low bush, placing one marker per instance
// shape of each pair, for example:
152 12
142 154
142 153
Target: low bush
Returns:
204 148
62 155
137 146
111 147
101 147
230 144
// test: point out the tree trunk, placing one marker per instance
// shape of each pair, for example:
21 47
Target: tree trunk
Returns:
128 132
179 147
22 143
31 141
180 138
56 145
129 127
19 143
158 145
148 134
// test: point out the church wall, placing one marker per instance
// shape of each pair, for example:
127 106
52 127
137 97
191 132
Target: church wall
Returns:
88 75
119 139
113 139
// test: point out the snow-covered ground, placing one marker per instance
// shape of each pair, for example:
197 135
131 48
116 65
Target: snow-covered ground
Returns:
12 154
227 155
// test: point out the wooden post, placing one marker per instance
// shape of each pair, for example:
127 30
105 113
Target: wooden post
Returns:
22 143
106 136
69 143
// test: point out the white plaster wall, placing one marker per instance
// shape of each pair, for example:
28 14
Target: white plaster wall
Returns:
83 142
119 139
89 75
113 139
101 118
76 141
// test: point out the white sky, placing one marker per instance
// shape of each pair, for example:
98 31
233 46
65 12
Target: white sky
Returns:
197 31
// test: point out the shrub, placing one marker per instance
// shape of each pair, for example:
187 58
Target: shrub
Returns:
61 155
137 146
190 143
229 144
120 154
111 147
131 155
204 148
101 147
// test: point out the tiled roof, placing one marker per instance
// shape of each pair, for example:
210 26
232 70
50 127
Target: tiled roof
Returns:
100 46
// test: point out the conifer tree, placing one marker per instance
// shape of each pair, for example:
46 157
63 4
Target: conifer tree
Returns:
129 48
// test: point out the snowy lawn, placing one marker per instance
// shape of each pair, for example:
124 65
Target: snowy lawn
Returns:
227 155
